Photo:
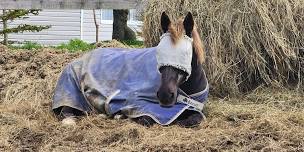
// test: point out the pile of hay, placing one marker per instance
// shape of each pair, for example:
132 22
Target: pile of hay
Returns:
22 72
111 44
248 43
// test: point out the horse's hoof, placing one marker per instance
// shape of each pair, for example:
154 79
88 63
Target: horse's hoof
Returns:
104 116
69 121
119 117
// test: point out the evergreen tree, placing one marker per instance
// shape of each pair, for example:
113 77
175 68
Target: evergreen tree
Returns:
11 15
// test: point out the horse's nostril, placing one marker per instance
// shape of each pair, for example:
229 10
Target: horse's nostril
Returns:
172 95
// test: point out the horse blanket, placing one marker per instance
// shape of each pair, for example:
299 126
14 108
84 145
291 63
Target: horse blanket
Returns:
113 80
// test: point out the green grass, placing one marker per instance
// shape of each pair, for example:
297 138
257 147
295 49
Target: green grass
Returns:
76 45
27 45
73 45
134 43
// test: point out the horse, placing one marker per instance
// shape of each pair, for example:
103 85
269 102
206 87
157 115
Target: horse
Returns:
165 84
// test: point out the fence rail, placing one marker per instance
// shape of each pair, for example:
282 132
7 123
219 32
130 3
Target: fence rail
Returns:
68 4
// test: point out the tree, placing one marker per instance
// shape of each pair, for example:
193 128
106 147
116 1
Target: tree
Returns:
96 27
121 31
11 15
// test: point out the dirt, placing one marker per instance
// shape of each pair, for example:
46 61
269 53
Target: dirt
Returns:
265 120
26 139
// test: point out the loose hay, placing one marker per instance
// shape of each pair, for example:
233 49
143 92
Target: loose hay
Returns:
248 43
266 120
111 44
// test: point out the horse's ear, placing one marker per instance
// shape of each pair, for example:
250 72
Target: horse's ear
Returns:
165 22
188 24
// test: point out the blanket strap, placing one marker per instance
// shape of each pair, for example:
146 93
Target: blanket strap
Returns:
191 102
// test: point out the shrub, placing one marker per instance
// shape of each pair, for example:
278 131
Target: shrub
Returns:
76 45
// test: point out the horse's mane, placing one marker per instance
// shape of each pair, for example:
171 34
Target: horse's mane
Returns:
177 31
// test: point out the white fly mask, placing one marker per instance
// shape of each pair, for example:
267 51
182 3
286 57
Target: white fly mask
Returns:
177 55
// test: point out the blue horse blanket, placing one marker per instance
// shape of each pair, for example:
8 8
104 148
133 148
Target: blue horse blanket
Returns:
89 83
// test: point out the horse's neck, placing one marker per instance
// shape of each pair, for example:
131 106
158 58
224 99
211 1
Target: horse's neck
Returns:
196 82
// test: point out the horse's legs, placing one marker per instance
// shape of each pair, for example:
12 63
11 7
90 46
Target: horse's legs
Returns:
69 115
189 119
69 112
145 121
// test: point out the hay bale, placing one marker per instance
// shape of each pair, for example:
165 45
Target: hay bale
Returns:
248 43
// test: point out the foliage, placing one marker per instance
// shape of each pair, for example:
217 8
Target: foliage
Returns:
73 45
11 15
134 43
24 28
27 45
76 45
18 14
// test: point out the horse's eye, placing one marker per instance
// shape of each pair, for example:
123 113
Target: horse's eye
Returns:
181 77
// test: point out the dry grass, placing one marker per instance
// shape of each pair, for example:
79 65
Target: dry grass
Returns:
248 43
265 120
111 44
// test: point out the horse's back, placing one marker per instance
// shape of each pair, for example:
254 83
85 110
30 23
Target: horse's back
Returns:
105 71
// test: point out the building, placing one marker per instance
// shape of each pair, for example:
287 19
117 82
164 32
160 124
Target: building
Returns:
70 24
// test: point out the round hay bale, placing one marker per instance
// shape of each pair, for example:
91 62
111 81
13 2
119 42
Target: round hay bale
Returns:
248 43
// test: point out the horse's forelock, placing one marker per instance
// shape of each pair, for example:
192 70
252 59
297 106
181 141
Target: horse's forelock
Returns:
177 30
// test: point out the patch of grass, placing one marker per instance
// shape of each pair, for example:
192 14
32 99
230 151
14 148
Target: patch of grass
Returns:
134 43
27 45
76 45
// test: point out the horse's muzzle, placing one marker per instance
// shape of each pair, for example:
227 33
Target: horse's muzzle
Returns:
166 106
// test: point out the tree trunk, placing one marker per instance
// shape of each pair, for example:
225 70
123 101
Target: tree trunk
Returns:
96 27
121 31
5 36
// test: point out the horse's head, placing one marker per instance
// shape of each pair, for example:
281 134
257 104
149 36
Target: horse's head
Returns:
174 56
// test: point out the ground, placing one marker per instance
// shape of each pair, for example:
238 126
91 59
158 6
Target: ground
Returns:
267 119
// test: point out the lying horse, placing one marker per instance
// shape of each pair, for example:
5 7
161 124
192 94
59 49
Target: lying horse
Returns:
164 84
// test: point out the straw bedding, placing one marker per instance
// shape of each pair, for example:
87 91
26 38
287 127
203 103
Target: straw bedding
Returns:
264 120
